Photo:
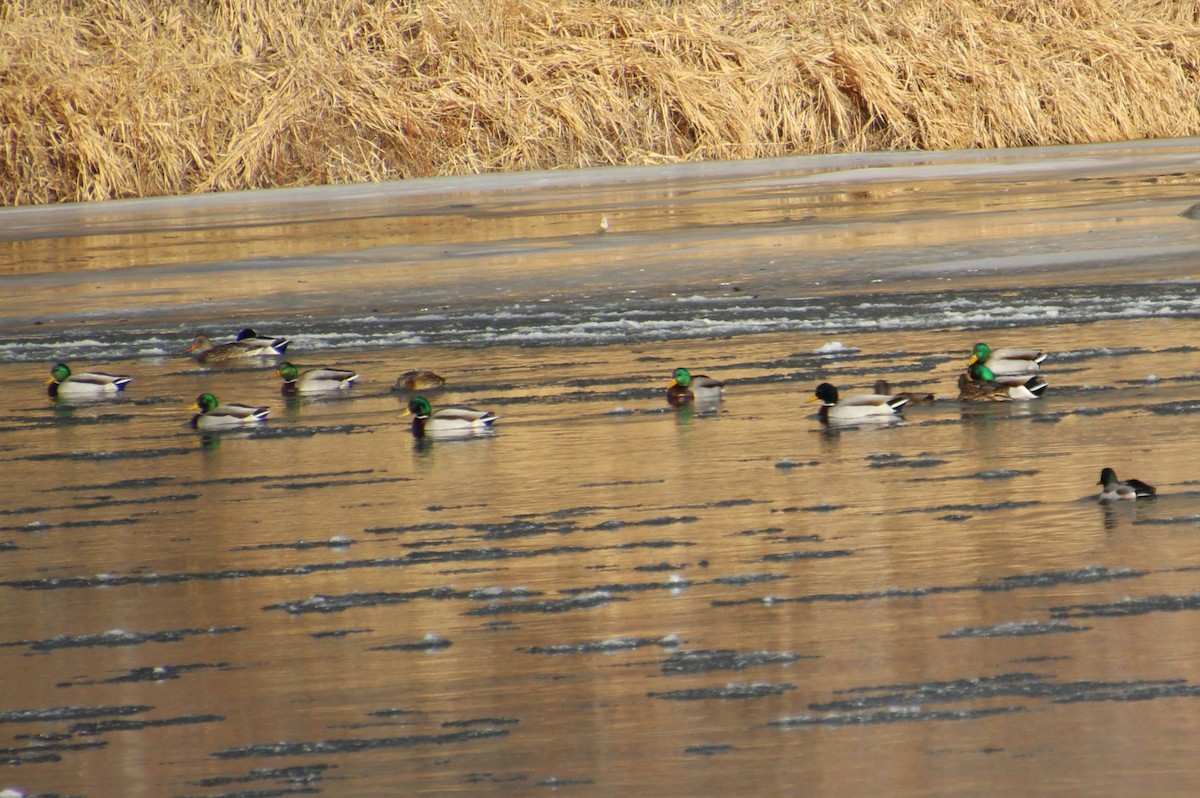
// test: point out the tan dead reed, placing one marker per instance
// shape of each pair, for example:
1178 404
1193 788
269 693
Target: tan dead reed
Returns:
123 98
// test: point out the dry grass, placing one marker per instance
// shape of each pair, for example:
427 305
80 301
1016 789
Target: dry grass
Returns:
121 98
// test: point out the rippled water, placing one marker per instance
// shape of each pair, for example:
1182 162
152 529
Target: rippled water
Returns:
607 596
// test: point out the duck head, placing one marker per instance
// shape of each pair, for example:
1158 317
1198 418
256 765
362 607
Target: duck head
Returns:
419 407
59 373
287 371
980 372
980 353
205 402
825 394
681 377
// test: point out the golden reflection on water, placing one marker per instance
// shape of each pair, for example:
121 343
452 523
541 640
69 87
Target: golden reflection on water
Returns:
869 558
620 482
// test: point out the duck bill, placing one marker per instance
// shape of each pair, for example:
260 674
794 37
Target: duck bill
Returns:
813 399
974 359
406 413
51 381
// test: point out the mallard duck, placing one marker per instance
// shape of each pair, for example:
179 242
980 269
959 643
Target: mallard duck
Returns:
314 380
1115 490
1007 361
214 415
206 352
419 380
275 343
979 384
448 419
882 387
90 383
686 387
858 406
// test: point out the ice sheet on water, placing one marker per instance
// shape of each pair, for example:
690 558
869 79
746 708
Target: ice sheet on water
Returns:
606 321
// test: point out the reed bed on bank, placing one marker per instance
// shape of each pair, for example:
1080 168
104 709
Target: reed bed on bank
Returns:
102 99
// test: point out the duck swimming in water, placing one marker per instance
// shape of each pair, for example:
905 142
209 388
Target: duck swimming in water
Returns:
214 415
1116 490
88 384
979 384
1006 361
252 345
863 406
686 387
914 397
419 380
314 380
426 420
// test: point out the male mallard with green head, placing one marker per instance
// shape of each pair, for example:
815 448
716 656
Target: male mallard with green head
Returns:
314 380
88 384
214 415
426 420
1007 360
686 387
979 384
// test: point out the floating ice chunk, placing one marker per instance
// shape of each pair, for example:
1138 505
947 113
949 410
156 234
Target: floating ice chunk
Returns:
835 348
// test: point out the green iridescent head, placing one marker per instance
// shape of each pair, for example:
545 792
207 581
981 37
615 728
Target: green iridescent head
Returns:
1107 477
980 372
60 372
980 353
287 371
419 407
682 378
206 402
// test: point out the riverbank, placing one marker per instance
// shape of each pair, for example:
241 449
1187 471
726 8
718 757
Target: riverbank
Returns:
113 99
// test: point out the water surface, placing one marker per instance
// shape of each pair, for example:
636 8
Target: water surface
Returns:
608 596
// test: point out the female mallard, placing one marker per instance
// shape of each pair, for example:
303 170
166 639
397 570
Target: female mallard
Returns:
63 383
979 384
686 387
448 419
214 415
858 406
314 380
206 352
420 380
1007 361
1115 490
882 387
